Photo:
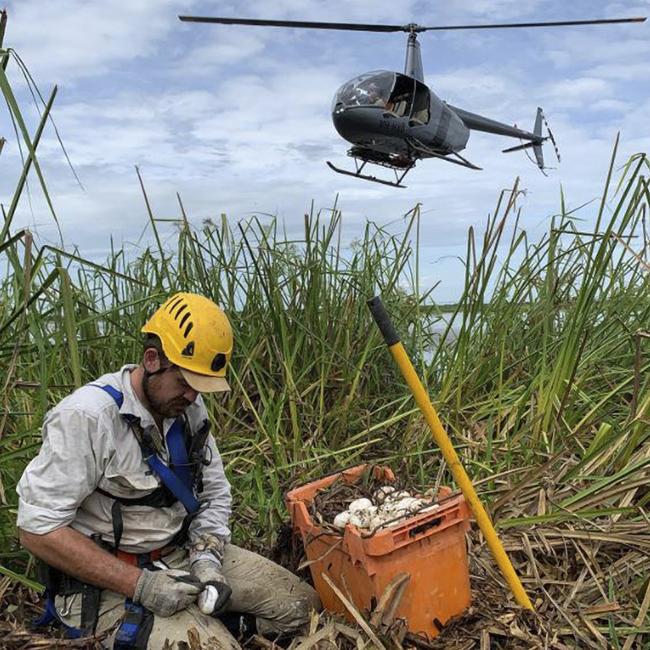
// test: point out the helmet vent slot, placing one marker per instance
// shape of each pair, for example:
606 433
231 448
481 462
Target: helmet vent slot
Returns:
218 362
173 303
188 350
183 320
181 309
188 329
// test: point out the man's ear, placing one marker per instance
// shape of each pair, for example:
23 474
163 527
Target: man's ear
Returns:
151 360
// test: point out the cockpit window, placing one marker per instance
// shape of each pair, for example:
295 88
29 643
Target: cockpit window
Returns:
370 89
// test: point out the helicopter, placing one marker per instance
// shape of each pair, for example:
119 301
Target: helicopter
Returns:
393 119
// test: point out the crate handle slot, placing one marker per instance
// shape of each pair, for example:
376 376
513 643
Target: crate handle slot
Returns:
427 525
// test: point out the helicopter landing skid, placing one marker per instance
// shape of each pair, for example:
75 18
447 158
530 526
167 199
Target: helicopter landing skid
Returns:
366 177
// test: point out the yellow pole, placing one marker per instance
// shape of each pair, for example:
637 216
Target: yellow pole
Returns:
442 440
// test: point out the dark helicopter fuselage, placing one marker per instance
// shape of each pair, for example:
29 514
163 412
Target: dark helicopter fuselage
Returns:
393 119
388 112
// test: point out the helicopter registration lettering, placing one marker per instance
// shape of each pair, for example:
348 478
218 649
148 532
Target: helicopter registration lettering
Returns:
390 126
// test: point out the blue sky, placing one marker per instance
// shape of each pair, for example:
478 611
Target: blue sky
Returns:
237 120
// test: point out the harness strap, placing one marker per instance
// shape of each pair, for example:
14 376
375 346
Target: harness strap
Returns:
142 560
177 481
135 627
161 497
90 597
178 452
50 617
175 484
118 523
118 397
58 583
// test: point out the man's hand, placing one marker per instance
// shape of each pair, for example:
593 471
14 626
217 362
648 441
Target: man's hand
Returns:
216 592
166 592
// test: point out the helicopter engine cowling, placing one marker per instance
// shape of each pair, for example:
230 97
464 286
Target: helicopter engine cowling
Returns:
447 131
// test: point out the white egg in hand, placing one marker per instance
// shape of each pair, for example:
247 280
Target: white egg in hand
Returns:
208 599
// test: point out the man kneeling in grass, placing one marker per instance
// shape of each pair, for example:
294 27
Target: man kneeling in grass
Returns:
127 503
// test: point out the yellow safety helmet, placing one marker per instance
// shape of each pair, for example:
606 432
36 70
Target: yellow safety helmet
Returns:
197 337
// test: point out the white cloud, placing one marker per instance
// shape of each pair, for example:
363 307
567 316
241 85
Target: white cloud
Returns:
634 71
216 52
610 105
625 45
75 39
579 92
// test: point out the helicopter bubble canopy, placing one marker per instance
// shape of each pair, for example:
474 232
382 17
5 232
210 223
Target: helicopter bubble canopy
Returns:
369 89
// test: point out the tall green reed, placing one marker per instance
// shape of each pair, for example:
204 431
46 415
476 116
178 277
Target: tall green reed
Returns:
538 355
544 355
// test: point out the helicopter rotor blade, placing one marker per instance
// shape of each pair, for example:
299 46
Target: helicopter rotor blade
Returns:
358 27
411 27
554 23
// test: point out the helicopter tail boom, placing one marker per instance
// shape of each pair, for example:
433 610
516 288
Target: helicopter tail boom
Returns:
535 139
480 123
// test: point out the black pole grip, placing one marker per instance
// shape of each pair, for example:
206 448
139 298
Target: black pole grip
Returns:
383 321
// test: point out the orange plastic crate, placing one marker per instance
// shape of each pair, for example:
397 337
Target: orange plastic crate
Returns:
430 547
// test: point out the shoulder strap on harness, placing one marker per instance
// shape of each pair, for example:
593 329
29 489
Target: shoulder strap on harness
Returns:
118 397
179 480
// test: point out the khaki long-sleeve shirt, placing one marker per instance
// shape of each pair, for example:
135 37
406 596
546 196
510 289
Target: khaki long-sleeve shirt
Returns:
88 444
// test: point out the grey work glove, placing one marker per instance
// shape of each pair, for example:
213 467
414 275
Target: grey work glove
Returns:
216 591
166 592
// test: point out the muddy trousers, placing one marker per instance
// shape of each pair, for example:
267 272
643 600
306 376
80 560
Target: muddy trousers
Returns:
280 602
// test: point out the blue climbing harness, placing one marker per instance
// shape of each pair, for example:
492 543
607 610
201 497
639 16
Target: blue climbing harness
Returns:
177 480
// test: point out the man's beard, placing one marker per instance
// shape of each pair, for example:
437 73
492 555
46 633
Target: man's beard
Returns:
168 409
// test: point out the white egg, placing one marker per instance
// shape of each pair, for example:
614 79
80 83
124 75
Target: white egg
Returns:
208 599
375 522
381 494
391 513
408 503
359 504
401 506
342 519
397 496
416 505
357 520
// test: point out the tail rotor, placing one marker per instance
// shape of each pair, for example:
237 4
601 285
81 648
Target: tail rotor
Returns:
551 138
536 142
